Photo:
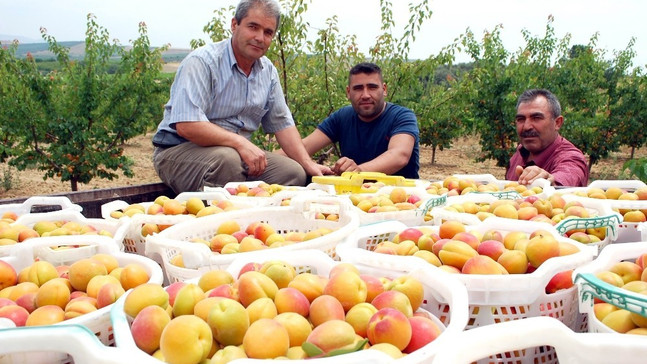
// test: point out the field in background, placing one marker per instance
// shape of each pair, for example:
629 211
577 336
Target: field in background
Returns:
458 159
44 57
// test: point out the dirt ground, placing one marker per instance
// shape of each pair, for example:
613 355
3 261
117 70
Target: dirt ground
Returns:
457 160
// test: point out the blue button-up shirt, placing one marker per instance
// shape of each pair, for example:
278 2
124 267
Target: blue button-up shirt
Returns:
209 86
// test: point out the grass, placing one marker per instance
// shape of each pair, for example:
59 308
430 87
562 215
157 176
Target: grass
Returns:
8 180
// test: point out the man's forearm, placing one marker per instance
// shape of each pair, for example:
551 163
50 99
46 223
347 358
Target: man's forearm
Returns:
571 175
388 162
206 134
290 141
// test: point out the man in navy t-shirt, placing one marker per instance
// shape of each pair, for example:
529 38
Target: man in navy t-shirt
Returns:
373 135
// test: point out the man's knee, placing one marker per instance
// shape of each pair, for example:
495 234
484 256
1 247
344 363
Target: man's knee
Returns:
298 176
164 168
229 157
226 167
191 168
287 172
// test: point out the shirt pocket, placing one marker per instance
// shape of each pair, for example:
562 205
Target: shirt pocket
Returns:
256 112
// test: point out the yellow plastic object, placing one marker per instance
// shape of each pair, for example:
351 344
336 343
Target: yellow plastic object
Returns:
354 182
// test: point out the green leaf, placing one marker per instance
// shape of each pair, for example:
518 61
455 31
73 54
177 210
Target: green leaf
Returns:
315 352
360 345
311 349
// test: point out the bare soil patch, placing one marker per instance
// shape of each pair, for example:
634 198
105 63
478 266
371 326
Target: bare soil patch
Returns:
30 182
170 67
457 159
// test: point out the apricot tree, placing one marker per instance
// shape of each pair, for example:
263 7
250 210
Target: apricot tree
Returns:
71 123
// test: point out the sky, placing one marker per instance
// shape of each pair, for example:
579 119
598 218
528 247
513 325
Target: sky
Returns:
178 21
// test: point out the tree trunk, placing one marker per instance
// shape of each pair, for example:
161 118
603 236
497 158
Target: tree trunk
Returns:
592 161
74 184
633 149
433 154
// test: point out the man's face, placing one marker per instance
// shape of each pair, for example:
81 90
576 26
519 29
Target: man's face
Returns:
253 36
536 126
366 94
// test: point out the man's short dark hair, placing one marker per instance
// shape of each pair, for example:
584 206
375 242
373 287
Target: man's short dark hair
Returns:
365 67
553 102
271 7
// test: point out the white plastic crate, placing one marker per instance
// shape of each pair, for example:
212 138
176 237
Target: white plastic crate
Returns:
622 183
492 298
604 216
124 340
71 343
330 188
364 182
547 189
605 184
627 231
299 217
275 199
409 217
601 216
31 204
478 344
134 242
98 322
439 286
440 213
215 194
422 183
590 287
594 325
483 289
116 229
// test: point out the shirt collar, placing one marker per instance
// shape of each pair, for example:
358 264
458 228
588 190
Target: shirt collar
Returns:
258 65
542 157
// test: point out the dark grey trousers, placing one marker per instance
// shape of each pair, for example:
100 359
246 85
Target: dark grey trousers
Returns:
190 167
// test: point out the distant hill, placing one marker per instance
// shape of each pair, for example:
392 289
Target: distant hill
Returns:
77 51
41 50
4 38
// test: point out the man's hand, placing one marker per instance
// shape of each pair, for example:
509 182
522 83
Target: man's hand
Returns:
345 164
254 158
314 169
205 134
528 175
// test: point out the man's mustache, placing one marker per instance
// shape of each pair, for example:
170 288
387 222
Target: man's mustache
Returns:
529 133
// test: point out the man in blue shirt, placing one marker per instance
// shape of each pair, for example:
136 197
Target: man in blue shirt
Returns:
221 94
373 135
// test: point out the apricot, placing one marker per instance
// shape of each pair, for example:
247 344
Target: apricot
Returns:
83 270
133 275
266 339
449 228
